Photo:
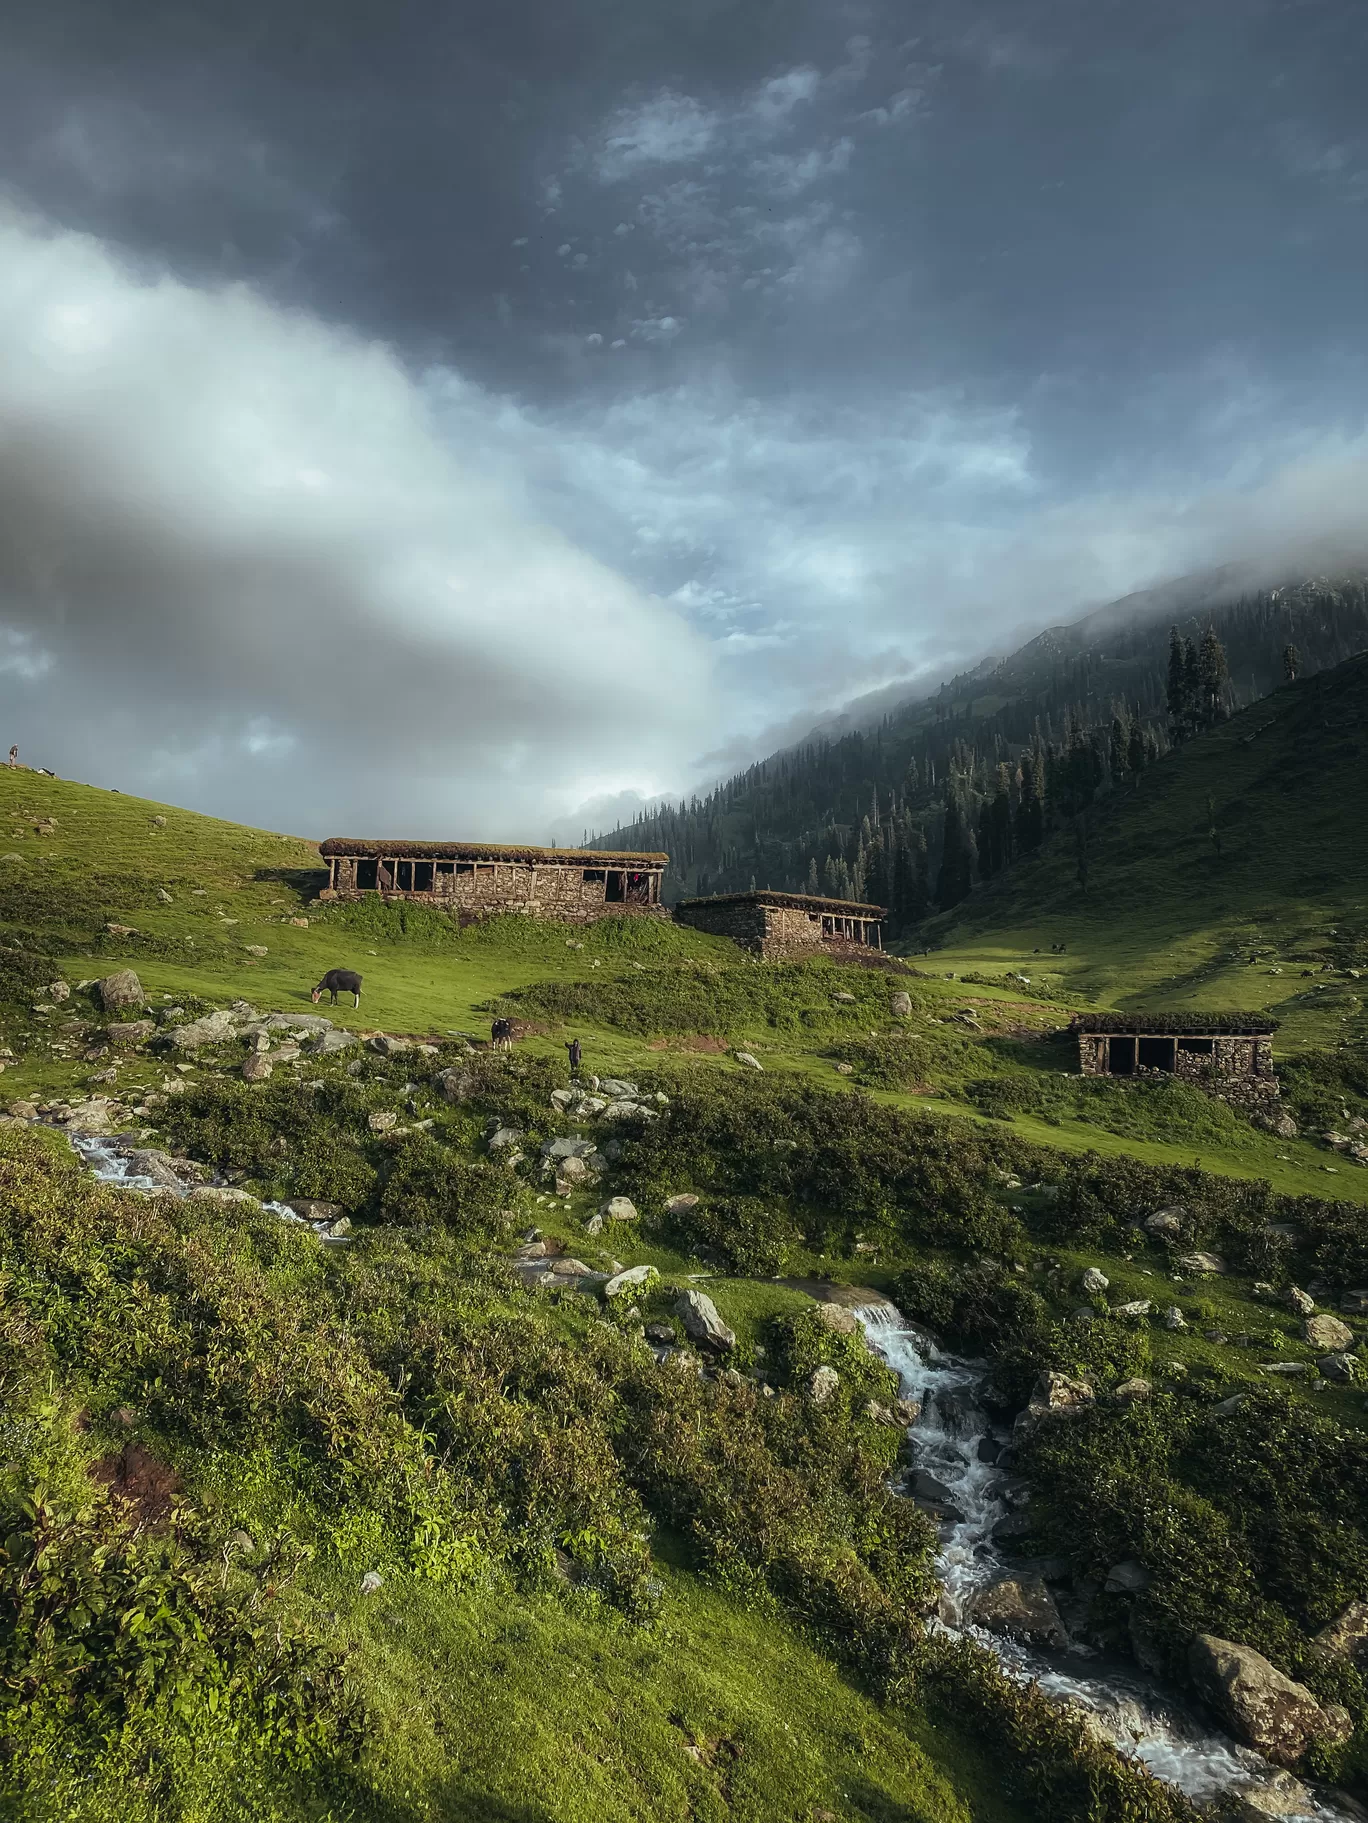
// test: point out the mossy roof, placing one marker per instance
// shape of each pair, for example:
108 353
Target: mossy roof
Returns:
848 908
401 849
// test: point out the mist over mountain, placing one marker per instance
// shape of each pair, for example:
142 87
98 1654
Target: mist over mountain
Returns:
860 806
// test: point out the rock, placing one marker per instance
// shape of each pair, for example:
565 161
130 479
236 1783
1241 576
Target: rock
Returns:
1172 1318
619 1209
327 1044
297 1022
311 1209
1133 1389
1095 1282
566 1147
1338 1366
595 1223
1290 1370
372 1583
751 1062
923 1485
1347 1637
698 1314
211 1028
1011 1527
1054 1395
131 1031
683 1204
630 1280
255 1069
1021 1608
503 1137
1278 1795
900 1006
823 1384
616 1088
844 1069
1128 1578
1200 1262
1262 1707
837 1318
1283 1125
59 990
119 990
256 949
382 1120
385 1045
238 1542
1328 1333
1167 1223
456 1084
1355 1303
1138 1307
222 1193
661 1333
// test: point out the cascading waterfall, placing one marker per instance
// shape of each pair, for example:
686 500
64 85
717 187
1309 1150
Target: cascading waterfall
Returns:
1134 1715
109 1161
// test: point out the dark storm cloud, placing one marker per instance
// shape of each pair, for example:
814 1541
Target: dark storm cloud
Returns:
815 345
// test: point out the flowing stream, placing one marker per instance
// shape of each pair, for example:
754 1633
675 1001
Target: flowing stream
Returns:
1135 1715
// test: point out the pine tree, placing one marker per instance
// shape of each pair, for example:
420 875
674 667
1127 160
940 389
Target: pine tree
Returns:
1213 675
1137 751
956 863
1119 750
1030 822
1291 663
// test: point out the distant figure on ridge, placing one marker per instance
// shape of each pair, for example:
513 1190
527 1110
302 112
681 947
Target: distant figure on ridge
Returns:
338 981
575 1054
14 755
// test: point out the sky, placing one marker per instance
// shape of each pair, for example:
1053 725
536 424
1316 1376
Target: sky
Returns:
474 420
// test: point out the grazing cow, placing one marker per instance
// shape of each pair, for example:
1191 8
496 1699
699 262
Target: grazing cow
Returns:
338 981
501 1034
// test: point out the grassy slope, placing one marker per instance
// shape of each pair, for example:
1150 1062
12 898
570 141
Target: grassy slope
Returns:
232 887
1166 920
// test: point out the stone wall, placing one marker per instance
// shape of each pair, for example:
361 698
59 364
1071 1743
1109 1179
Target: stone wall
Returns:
1238 1067
535 890
779 933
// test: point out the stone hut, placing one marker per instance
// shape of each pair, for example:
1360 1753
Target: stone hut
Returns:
783 925
1219 1051
479 879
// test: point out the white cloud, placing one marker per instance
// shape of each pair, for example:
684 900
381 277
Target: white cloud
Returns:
669 129
228 528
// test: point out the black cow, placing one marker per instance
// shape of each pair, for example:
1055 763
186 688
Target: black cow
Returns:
338 981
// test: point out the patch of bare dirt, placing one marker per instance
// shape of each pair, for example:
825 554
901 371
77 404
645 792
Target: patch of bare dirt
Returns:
147 1484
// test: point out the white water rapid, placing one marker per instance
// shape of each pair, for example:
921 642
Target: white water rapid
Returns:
114 1161
952 1440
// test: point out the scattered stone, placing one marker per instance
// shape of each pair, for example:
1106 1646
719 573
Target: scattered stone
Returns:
924 1487
845 1069
131 1031
616 1088
503 1137
1128 1578
1338 1366
751 1062
222 1193
566 1147
838 1318
59 990
823 1384
1022 1608
701 1321
1329 1333
1054 1395
619 1209
595 1223
1347 1637
1138 1307
382 1120
164 897
1263 1708
1172 1318
683 1204
256 949
663 1334
372 1583
311 1209
1299 1300
210 1028
1355 1303
256 1069
1290 1370
1166 1222
386 1045
119 990
1133 1389
1201 1262
900 1006
1095 1282
632 1279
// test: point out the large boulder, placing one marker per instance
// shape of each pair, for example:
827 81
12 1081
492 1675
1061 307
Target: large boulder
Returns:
458 1084
823 1384
619 1209
1200 1262
1095 1282
837 1318
130 1031
256 1069
211 1028
1166 1224
1021 1608
702 1323
120 990
1053 1396
900 1006
1328 1333
634 1278
1261 1707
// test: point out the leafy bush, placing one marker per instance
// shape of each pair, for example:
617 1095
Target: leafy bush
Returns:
746 1235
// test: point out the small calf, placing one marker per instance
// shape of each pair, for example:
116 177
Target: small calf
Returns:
338 981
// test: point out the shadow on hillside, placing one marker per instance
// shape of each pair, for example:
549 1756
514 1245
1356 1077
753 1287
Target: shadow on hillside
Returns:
874 1803
459 1804
308 882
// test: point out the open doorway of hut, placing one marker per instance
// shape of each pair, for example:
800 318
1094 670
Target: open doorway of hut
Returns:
1157 1053
1121 1056
616 893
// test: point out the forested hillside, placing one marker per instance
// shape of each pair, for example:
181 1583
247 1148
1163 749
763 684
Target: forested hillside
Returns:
955 787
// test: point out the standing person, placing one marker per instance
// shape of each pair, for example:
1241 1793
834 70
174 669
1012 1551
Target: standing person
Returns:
575 1054
14 755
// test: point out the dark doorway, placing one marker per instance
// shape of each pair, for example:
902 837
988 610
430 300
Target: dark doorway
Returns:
422 876
1199 1047
617 888
1157 1053
1121 1056
365 876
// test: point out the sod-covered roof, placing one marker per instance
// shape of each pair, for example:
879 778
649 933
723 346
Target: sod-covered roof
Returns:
1177 1025
844 908
395 848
